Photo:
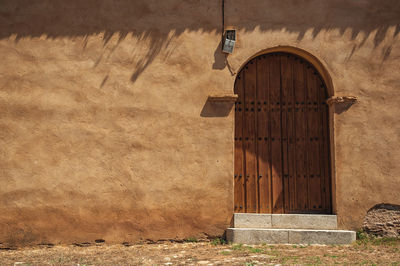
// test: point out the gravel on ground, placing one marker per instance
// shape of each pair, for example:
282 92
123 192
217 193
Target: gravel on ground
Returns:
384 252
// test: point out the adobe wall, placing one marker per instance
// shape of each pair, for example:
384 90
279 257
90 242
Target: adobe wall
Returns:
106 131
358 43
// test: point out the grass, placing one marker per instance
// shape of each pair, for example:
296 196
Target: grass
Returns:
290 259
191 240
255 250
273 253
335 256
218 241
226 253
237 247
364 239
314 260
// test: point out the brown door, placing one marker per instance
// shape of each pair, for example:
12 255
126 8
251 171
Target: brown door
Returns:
281 137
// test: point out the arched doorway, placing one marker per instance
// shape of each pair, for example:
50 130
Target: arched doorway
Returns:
282 151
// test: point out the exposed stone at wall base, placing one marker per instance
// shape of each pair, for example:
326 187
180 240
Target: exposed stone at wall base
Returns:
383 220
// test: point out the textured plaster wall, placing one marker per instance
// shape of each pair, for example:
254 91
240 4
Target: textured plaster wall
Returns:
358 42
102 127
105 127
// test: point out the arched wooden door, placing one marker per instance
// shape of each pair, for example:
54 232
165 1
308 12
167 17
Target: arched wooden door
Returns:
282 158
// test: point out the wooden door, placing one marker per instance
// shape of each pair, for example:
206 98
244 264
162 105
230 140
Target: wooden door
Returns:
282 157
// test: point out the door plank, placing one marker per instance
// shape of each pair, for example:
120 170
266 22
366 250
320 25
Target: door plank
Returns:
301 181
239 184
286 79
264 177
314 183
276 148
287 69
250 136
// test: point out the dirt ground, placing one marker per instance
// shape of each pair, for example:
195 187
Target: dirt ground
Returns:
191 252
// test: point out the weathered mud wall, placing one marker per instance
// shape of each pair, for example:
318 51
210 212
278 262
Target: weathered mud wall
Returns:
105 128
358 42
102 132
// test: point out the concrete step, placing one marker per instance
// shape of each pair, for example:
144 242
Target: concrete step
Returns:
289 236
292 221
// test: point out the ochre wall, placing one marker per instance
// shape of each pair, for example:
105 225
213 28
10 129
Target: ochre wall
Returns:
358 43
106 131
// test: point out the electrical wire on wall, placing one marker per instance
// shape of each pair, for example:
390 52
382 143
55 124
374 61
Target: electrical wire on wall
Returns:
223 20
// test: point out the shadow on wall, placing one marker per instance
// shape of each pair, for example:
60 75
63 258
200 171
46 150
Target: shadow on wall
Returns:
358 17
152 22
216 109
342 107
219 58
158 22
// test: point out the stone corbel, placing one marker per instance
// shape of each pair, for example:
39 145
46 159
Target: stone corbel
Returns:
341 100
341 104
219 104
222 97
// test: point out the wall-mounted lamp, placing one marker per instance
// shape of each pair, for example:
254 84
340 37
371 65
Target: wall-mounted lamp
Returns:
229 41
